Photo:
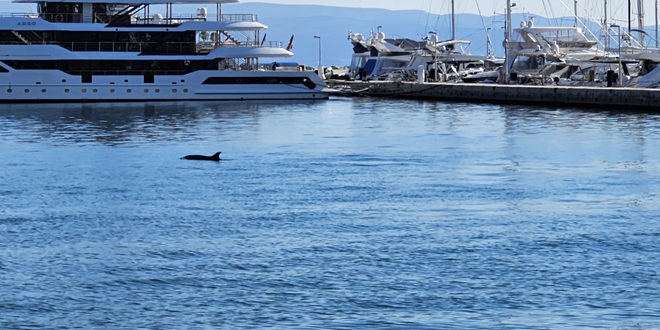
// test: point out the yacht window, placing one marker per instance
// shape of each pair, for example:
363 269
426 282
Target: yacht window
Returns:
149 78
521 63
538 63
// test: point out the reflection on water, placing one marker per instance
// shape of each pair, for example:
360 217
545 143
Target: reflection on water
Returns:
117 123
112 123
539 117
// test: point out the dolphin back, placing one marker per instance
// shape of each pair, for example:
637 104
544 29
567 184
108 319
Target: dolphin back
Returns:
215 157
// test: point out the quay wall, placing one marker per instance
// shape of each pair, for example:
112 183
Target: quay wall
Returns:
606 97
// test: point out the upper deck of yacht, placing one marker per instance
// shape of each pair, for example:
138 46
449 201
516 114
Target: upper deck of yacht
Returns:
125 13
122 26
134 3
563 36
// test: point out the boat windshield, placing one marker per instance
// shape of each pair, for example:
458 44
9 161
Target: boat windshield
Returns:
572 35
522 63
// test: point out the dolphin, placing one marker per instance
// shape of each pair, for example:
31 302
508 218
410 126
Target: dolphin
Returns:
215 157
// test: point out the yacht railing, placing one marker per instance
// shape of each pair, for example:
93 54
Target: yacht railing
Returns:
78 18
158 72
238 18
19 15
51 17
231 18
149 47
210 45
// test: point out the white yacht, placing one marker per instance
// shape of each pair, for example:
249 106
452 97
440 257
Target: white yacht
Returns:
374 57
115 50
552 53
447 60
378 58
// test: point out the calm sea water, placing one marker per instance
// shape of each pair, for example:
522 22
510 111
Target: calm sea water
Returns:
345 214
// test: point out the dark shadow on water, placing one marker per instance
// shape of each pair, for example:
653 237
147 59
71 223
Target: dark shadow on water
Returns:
530 117
113 123
121 111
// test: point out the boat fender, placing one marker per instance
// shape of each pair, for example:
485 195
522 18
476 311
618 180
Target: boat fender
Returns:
59 18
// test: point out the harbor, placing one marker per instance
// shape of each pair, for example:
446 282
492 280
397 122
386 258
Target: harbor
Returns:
552 65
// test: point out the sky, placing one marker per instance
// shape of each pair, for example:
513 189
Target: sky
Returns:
486 5
588 9
591 9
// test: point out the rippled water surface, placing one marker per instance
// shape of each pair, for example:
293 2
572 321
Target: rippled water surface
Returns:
345 214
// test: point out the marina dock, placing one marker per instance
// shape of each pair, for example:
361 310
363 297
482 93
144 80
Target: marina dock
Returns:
570 96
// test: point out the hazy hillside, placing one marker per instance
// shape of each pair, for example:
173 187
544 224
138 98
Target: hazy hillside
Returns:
334 23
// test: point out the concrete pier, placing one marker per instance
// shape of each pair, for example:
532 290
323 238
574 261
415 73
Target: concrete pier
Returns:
599 97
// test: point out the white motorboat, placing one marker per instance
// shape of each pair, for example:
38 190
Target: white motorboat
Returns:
374 57
549 53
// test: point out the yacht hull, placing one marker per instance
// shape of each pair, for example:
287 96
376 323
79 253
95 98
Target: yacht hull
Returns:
27 86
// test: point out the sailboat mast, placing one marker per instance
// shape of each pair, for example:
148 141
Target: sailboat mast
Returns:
453 21
606 27
640 21
575 12
508 58
490 52
629 16
656 24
